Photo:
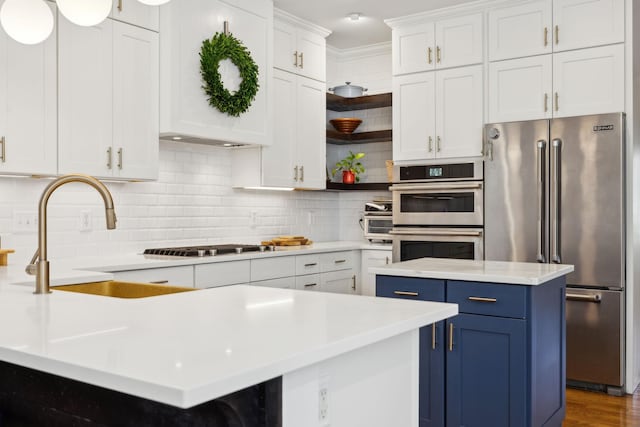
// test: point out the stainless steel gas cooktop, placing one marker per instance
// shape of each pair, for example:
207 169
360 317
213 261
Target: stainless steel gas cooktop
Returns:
202 251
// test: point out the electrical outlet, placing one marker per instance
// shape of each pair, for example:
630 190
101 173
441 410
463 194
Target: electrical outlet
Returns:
25 222
254 219
323 403
85 221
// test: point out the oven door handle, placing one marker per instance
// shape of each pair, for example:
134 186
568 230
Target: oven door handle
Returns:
414 232
439 186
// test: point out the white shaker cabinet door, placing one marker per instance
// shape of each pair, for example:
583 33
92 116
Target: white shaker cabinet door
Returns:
413 49
312 55
372 258
278 159
589 81
586 23
414 111
459 41
135 102
340 282
285 52
519 31
28 106
459 117
310 144
85 98
136 13
520 89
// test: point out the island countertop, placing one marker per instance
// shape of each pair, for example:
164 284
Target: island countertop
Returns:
517 273
188 348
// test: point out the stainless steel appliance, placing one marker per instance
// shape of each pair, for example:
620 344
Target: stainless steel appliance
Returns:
377 221
555 193
206 250
438 211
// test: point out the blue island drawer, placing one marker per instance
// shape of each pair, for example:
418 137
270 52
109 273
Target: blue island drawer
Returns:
410 288
490 299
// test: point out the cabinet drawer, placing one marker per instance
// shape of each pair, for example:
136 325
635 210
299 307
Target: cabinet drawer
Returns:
176 276
340 282
272 268
310 282
282 282
222 274
335 261
307 264
488 298
410 288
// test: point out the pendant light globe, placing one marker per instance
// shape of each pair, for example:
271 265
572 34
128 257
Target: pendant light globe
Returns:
85 12
153 2
26 21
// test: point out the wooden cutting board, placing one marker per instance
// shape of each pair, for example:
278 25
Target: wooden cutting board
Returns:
287 241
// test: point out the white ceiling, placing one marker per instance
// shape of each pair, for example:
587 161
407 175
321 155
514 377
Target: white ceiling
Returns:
370 29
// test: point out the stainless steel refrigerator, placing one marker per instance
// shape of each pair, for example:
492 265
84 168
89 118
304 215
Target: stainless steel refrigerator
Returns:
555 193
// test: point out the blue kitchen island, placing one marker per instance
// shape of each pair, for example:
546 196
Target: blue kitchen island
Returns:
501 361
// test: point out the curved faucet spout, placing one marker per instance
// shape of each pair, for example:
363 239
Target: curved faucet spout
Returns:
39 264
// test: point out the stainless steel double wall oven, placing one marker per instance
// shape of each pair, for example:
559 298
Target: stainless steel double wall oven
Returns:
438 211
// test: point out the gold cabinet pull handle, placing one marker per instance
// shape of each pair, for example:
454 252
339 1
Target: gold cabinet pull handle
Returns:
546 36
119 158
438 54
450 336
406 294
295 174
301 59
557 106
482 299
546 102
438 141
109 158
120 5
295 58
301 173
340 261
429 55
353 283
430 144
3 153
160 282
557 34
433 336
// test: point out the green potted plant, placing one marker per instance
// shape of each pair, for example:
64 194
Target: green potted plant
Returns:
350 167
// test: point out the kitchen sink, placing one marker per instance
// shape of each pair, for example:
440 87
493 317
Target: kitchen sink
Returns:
117 289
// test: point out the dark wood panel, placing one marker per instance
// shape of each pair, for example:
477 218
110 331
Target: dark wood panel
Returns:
366 186
335 137
340 103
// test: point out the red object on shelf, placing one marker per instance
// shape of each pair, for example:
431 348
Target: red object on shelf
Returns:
348 177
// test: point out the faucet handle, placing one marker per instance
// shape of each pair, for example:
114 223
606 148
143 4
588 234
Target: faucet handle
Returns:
31 269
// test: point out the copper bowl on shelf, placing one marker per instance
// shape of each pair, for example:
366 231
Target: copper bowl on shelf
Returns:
345 125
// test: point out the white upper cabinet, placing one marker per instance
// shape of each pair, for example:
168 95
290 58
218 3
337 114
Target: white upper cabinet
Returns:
589 81
521 30
445 43
185 108
299 47
108 100
136 13
310 143
520 89
586 23
438 114
28 112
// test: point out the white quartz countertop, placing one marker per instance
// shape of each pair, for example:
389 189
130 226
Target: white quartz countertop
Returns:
188 348
518 273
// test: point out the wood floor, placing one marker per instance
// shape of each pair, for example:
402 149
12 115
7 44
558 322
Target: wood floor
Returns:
587 408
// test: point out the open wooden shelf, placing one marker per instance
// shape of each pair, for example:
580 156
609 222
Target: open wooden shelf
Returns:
338 138
340 103
365 186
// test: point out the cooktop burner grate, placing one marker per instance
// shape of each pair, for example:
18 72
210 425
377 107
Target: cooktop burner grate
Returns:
201 251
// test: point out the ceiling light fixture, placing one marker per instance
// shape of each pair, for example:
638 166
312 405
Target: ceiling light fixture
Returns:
153 2
85 12
355 16
26 21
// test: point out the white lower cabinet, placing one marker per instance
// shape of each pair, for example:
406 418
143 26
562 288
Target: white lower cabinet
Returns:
108 100
272 268
341 282
438 114
282 282
372 258
28 112
176 276
222 274
308 282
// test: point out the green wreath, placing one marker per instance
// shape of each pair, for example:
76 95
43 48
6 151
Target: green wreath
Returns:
223 46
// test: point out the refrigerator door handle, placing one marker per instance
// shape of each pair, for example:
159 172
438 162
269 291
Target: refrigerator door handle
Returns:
555 203
541 150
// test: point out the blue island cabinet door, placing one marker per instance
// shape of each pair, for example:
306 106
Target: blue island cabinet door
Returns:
432 351
486 372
